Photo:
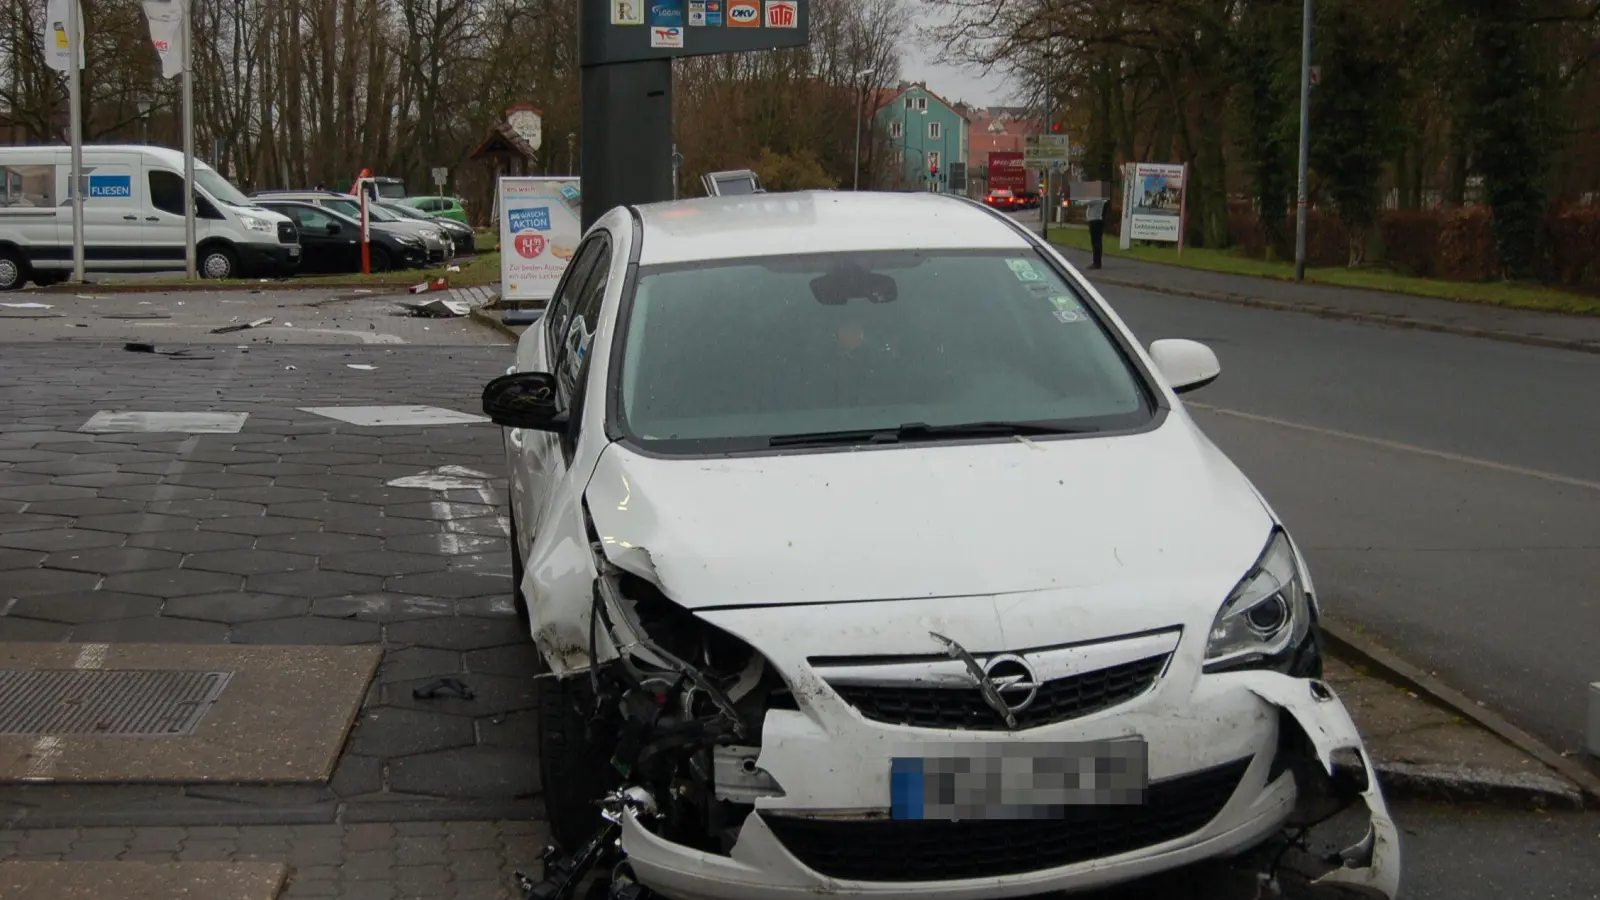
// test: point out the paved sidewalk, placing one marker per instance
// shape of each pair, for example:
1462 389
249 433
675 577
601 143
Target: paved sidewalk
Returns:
1399 310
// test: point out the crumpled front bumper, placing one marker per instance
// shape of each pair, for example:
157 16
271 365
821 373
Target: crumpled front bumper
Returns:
1372 866
760 868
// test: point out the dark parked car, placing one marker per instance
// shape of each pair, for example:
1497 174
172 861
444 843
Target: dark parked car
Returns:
331 242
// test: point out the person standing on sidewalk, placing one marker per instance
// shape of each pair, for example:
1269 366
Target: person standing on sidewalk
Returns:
1094 212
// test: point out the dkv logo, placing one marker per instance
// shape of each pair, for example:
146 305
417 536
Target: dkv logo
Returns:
744 13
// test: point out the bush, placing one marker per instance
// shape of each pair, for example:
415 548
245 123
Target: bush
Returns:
1327 241
1467 248
1411 241
1573 236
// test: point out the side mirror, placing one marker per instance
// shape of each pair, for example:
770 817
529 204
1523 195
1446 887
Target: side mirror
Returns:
1186 365
524 400
334 228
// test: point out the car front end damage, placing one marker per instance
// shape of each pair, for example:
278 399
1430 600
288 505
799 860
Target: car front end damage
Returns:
760 751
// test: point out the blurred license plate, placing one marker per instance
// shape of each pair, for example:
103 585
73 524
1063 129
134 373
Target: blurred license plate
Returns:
1016 780
294 251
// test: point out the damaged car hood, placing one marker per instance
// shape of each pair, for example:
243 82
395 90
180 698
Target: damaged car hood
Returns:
930 520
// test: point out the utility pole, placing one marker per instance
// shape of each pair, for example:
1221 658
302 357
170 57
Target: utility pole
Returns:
1302 197
188 142
80 181
1044 174
861 102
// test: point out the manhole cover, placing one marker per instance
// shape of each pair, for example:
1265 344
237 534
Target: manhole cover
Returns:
97 701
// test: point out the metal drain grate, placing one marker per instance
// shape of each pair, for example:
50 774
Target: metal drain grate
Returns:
152 703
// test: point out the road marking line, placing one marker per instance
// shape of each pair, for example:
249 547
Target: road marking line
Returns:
47 749
1407 448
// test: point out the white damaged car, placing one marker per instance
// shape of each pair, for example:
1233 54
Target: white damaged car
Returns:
870 555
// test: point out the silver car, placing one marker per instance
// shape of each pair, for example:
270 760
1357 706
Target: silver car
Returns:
440 245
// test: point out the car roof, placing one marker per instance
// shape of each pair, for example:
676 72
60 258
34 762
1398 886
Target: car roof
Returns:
776 224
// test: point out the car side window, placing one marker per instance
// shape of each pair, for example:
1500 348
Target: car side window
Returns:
166 191
313 218
566 296
580 329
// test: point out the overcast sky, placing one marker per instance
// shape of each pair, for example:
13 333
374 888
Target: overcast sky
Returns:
950 82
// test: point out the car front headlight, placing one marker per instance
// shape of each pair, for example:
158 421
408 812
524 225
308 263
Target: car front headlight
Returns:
409 241
255 223
429 234
1266 616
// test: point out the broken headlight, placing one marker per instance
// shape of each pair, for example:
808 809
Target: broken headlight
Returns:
1266 616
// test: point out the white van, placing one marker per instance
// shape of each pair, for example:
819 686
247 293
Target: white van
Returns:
132 217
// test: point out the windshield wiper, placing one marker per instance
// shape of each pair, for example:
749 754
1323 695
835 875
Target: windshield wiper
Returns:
915 431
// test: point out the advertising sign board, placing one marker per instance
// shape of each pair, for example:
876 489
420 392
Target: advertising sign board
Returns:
1153 208
540 226
1006 172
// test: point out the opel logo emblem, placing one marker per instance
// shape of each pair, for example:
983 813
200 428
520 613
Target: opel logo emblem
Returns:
1013 680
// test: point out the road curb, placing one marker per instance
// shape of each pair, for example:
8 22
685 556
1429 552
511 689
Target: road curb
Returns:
489 319
1446 782
1328 312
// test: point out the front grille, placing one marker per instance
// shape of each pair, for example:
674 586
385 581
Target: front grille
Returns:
287 233
963 708
900 850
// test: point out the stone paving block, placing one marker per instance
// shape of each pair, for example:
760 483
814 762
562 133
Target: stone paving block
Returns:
173 583
439 510
110 560
236 607
24 454
381 526
381 607
450 584
515 659
12 506
13 628
76 465
306 630
424 878
276 470
36 489
84 509
367 890
190 541
322 509
368 865
55 539
269 494
203 850
207 508
249 562
382 562
16 521
458 633
152 631
35 582
369 836
314 585
518 730
127 460
357 775
214 479
319 544
327 482
389 732
459 544
467 772
463 838
259 526
152 492
418 664
229 457
119 481
491 526
379 495
95 850
20 559
136 522
79 607
156 838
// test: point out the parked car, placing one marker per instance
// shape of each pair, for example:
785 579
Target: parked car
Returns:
133 217
440 247
462 236
331 241
445 207
818 499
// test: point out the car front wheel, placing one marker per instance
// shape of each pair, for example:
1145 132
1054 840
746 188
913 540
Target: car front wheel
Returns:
218 262
13 270
575 772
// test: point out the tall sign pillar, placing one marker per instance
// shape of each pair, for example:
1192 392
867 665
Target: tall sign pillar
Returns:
625 54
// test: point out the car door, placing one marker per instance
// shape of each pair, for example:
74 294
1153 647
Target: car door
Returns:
329 245
113 236
536 458
163 216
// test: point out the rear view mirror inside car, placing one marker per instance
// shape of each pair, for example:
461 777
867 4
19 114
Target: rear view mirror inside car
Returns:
851 283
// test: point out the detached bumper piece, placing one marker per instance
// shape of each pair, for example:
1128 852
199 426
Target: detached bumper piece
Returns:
890 851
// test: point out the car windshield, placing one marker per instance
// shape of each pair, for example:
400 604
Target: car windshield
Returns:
220 188
728 355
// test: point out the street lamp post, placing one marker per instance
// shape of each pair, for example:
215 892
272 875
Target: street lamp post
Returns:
1302 197
572 168
861 102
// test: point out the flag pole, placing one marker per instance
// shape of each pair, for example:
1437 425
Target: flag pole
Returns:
188 141
75 109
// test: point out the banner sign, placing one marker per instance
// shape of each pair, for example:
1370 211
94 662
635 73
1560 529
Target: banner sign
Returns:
1153 203
166 33
540 227
56 45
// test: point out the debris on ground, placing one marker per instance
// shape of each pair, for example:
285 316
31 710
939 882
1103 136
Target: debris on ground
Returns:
185 353
362 366
443 687
438 309
438 284
242 326
28 305
141 315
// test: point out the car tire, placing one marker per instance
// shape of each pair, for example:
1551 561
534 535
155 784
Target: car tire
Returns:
217 262
47 279
574 772
518 599
14 270
380 260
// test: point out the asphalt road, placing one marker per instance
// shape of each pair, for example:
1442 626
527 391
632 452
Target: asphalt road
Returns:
1446 489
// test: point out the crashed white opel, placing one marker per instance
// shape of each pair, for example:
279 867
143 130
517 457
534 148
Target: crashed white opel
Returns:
870 555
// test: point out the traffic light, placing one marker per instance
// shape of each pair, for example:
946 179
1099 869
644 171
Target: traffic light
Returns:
1055 127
